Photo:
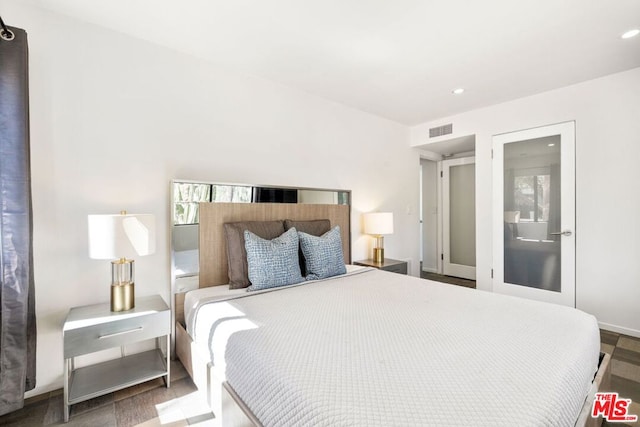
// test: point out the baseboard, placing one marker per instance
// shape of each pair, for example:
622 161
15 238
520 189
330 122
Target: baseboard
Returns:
430 270
41 395
619 329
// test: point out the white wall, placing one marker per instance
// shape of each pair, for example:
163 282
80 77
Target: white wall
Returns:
114 119
607 115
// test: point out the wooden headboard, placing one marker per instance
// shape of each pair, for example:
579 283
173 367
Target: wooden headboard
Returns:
213 216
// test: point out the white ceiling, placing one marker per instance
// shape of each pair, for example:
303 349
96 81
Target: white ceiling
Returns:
397 59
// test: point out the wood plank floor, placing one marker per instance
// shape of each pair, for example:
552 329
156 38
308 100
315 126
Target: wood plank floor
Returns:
146 405
625 368
153 405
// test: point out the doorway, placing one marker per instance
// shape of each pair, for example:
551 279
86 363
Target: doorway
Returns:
459 217
447 211
534 213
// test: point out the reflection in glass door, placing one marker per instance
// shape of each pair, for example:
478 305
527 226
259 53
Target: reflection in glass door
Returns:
532 254
534 247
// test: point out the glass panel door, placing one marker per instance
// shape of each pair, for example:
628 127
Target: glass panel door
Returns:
534 246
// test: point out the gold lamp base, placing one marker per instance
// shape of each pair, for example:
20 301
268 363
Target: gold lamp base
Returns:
378 255
122 285
378 250
123 297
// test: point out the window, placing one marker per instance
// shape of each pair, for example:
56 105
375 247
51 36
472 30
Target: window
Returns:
187 197
531 197
231 193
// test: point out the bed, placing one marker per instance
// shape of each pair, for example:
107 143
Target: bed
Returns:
375 348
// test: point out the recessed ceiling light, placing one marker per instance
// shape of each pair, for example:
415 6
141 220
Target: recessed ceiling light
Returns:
458 91
631 33
551 145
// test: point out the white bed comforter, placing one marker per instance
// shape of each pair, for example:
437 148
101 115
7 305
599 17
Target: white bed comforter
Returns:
383 349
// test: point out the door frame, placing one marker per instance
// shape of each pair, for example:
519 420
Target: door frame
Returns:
448 268
566 130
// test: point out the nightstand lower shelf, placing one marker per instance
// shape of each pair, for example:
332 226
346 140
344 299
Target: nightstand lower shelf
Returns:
96 380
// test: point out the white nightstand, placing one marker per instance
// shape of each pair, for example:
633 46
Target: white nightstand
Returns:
95 327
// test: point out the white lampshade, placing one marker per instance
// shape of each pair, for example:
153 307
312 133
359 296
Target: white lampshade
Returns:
378 223
121 236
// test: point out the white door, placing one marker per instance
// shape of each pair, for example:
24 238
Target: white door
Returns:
534 213
459 217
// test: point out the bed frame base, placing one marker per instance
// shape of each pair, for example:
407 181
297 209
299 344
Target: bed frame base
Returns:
602 382
235 412
183 348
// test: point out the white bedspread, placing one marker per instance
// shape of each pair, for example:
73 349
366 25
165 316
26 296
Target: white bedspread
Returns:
383 349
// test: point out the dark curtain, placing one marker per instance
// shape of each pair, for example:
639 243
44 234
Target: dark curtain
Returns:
17 297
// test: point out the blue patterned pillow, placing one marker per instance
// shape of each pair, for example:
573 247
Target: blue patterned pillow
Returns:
323 255
274 262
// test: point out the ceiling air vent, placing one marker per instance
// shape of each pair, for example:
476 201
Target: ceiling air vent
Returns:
441 130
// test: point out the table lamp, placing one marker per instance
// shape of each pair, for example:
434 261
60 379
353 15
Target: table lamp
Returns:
378 224
121 237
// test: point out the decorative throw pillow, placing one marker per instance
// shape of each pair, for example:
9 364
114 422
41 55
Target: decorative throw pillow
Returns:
323 255
273 262
236 252
315 227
